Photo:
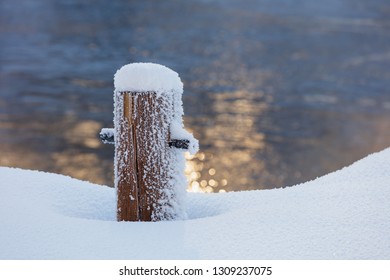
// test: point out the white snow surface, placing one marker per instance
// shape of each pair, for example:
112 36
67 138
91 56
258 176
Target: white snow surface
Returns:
142 77
343 215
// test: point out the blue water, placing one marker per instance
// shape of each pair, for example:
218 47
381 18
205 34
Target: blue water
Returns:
277 92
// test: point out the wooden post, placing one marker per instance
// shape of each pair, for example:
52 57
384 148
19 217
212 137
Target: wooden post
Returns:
143 156
149 166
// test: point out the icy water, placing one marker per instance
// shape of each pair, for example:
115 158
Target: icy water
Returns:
278 92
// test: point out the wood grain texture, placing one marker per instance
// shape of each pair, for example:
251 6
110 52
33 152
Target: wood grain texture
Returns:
143 155
126 175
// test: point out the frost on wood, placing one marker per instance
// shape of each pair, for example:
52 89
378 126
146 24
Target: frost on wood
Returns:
178 132
149 175
107 135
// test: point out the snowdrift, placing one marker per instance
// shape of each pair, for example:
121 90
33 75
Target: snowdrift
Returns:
343 215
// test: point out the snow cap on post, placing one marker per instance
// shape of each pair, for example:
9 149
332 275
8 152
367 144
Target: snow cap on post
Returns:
143 77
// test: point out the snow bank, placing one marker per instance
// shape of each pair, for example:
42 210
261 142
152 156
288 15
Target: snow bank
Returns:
344 215
140 77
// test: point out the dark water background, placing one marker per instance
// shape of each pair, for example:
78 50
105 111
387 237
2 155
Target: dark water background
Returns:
278 92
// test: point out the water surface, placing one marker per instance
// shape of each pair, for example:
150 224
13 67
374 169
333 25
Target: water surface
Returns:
278 92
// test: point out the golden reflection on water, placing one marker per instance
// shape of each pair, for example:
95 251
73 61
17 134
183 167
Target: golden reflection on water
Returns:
62 147
83 164
234 139
84 133
194 169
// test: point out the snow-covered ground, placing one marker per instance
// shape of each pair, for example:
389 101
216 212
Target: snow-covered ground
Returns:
343 215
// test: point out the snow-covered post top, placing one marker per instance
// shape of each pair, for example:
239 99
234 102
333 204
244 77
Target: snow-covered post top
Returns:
149 138
143 77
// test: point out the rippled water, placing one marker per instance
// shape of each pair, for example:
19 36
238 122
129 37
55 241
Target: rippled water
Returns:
277 92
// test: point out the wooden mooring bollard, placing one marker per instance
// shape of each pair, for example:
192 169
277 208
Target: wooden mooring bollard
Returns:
149 141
